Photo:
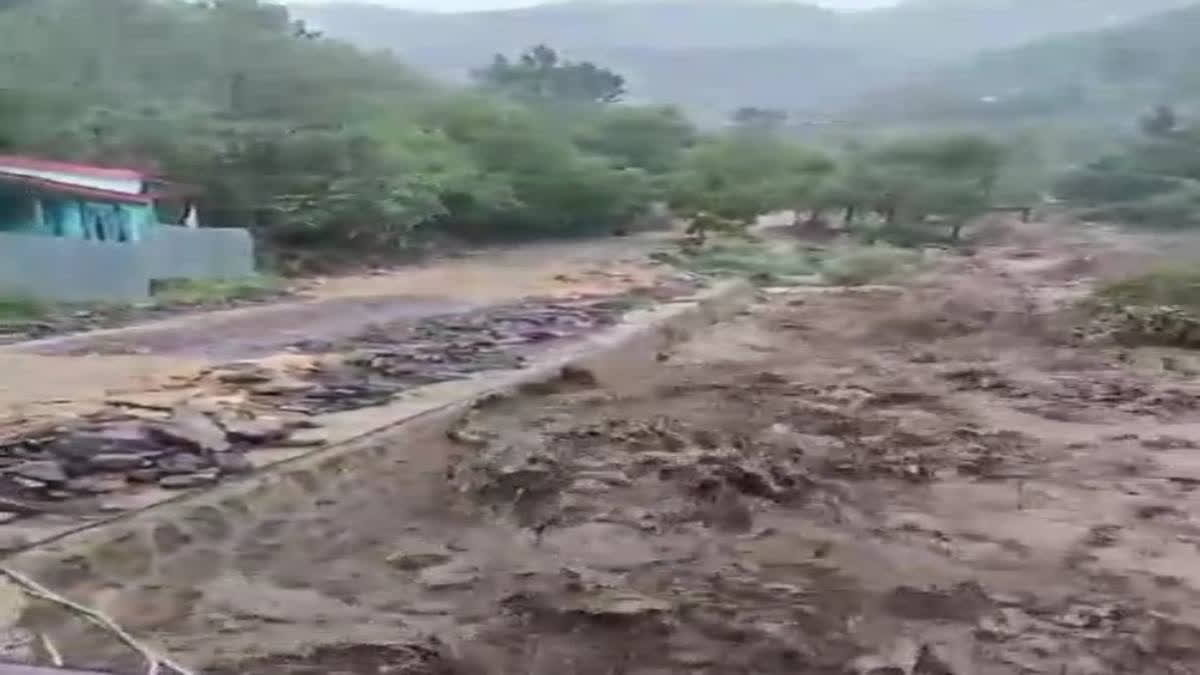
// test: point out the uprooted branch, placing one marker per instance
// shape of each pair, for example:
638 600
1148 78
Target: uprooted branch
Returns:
155 662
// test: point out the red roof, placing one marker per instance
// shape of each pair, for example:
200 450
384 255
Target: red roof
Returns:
38 164
75 190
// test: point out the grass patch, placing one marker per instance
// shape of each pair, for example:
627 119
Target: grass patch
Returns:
1176 285
745 259
16 307
859 265
1160 307
197 292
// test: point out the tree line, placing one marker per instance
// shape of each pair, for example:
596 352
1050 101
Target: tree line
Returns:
322 149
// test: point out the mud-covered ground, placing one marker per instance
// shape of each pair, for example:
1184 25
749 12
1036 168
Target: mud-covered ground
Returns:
937 478
208 429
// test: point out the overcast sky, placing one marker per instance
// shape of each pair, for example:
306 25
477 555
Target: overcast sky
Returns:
467 5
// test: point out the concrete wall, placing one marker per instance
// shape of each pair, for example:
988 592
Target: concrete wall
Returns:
54 268
200 253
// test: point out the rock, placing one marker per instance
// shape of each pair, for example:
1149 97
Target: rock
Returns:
419 555
1174 638
1006 623
606 546
819 448
97 485
1102 536
780 437
233 463
258 431
588 486
1042 645
117 461
1086 664
1080 616
124 437
613 478
186 481
447 577
875 665
512 470
615 604
897 659
180 463
430 608
12 541
46 471
150 475
193 430
964 602
243 374
13 603
283 387
1168 443
936 660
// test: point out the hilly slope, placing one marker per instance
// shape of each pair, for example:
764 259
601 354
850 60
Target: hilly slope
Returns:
1100 75
716 55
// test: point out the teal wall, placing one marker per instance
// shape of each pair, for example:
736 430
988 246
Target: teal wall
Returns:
58 268
75 219
17 213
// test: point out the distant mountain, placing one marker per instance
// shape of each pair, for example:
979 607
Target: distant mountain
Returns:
716 55
1113 73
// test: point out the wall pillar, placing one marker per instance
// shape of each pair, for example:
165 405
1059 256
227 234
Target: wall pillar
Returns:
39 217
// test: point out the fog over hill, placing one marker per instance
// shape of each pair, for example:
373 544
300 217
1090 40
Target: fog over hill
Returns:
713 56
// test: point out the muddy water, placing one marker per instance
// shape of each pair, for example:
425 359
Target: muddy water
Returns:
929 480
339 306
925 482
258 332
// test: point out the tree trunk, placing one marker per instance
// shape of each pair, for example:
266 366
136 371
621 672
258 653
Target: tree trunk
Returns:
237 93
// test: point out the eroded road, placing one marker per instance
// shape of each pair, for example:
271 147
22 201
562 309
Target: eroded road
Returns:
59 372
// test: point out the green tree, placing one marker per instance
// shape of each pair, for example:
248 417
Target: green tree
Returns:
742 176
1160 122
540 74
760 119
652 138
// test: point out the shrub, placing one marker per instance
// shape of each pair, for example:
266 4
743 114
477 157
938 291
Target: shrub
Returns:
1176 284
197 292
21 307
856 266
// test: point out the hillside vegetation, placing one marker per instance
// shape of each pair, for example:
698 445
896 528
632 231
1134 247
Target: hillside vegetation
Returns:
307 141
1094 77
328 153
712 56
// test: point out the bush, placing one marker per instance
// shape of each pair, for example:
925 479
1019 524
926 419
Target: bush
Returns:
856 266
21 307
1176 210
1099 187
1159 307
1177 285
196 292
752 260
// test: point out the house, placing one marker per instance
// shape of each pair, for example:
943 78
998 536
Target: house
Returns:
75 232
77 201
